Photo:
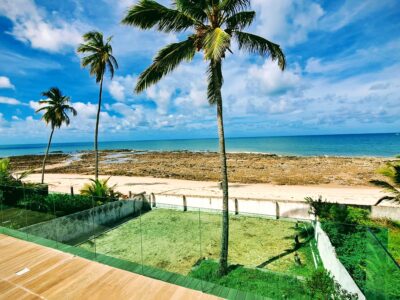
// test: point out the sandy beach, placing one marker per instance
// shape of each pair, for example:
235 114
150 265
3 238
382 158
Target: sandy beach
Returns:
256 176
340 194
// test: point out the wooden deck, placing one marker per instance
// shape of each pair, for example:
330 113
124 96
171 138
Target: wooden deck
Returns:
30 271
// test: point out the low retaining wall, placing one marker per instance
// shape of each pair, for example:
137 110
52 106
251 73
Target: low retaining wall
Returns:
274 209
332 263
385 212
79 226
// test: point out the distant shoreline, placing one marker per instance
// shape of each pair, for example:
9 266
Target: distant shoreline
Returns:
367 145
204 166
135 151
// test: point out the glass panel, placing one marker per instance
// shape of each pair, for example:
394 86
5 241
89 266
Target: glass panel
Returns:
13 207
39 213
382 271
116 229
170 238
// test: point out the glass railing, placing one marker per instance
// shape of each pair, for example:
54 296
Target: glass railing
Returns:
363 251
268 257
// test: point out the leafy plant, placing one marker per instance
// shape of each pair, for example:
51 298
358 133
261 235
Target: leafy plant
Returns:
322 286
392 186
6 175
99 189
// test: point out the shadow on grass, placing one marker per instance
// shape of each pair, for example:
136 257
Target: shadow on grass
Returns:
285 253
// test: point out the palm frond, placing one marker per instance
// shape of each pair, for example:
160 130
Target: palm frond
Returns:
386 186
193 8
99 56
261 46
231 7
240 20
216 42
57 106
165 62
148 14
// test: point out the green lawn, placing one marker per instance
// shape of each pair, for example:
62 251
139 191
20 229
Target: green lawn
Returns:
393 238
262 283
173 240
16 217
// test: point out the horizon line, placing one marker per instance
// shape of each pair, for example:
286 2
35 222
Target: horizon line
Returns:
208 138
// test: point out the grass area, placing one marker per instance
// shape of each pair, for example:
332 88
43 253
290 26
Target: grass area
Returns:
264 283
16 217
393 237
172 240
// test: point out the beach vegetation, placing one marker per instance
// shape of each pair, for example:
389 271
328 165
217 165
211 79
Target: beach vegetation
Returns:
100 189
12 187
362 245
215 26
392 185
56 107
99 59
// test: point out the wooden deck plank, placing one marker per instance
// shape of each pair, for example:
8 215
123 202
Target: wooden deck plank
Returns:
56 275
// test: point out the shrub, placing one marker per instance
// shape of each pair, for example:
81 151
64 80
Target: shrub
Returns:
321 285
100 190
12 189
65 204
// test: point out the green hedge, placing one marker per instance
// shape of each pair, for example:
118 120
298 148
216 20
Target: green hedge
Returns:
62 204
16 192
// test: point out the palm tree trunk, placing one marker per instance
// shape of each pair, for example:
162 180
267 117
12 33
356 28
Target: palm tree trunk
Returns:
96 134
47 153
223 261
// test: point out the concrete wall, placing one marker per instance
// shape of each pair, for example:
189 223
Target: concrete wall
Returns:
79 226
333 264
274 209
385 212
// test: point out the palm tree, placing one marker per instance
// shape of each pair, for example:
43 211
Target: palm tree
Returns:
99 58
215 25
392 172
56 114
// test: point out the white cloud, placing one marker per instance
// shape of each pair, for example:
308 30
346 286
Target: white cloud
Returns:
5 83
271 80
121 87
33 26
10 101
287 22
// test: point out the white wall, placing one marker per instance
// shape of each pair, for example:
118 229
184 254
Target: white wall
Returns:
332 263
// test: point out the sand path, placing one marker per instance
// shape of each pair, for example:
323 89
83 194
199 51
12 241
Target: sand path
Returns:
340 194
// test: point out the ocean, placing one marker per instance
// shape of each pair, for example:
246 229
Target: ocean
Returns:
379 145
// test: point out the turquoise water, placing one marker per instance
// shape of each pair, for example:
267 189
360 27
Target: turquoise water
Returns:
382 145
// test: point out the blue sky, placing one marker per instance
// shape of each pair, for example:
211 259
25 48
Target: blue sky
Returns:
342 76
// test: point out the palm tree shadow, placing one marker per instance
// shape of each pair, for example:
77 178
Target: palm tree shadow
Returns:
285 253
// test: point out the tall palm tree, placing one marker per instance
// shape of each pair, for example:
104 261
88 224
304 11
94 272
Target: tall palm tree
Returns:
99 59
215 24
392 172
56 108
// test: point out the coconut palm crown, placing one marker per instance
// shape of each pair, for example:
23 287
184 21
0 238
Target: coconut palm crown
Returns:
214 25
56 107
99 58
